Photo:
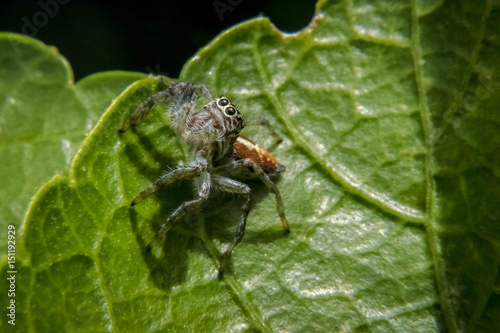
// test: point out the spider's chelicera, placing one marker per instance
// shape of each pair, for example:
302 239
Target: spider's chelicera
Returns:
219 155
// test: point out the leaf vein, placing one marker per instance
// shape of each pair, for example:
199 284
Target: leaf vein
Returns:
381 201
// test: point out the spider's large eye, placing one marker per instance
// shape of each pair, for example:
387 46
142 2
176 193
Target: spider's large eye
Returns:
230 111
223 102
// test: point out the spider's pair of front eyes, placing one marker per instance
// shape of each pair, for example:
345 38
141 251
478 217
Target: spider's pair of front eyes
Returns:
230 111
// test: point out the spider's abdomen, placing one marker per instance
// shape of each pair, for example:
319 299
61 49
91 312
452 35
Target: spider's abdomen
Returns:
246 148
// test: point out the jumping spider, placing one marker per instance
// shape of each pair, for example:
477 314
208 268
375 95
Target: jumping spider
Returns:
219 154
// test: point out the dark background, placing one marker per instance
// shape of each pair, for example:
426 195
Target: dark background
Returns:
155 37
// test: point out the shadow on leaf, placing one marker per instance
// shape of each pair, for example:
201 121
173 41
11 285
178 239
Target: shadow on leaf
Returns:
170 268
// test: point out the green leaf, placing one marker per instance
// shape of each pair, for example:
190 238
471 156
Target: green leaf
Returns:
391 188
43 118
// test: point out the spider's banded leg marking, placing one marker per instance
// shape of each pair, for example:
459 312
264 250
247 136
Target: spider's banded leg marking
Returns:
184 209
234 186
167 179
247 163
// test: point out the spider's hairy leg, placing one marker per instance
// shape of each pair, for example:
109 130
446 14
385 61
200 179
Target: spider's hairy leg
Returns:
205 91
265 123
143 109
233 186
184 209
248 164
183 109
189 172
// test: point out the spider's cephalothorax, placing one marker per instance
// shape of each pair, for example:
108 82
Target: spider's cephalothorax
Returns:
211 131
219 155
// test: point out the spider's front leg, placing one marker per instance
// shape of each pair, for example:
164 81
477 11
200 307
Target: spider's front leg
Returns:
204 184
197 170
190 172
186 99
